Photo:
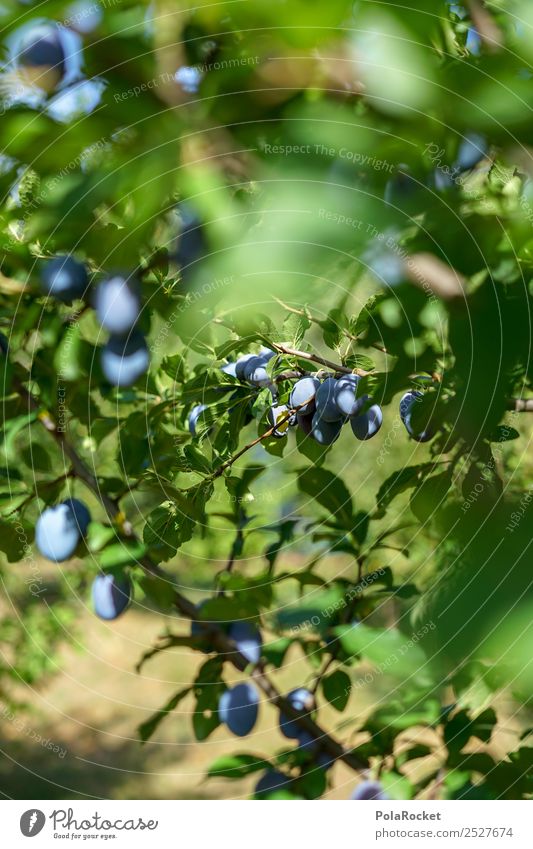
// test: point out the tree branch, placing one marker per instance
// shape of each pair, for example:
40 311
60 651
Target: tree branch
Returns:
221 641
520 405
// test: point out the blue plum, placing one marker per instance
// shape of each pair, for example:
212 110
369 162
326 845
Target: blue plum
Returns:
276 414
248 640
111 596
240 365
194 415
59 529
326 406
472 150
325 433
369 790
64 278
385 263
303 392
305 423
81 514
118 304
271 783
238 708
191 245
255 371
42 52
303 701
407 402
346 395
124 360
229 368
404 191
367 424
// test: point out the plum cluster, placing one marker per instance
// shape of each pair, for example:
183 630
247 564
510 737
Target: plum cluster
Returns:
117 302
319 407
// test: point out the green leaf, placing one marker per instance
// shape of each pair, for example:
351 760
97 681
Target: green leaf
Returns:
124 553
13 543
363 321
208 687
147 729
294 329
399 482
336 688
274 651
429 496
392 652
503 433
330 492
159 590
461 727
236 766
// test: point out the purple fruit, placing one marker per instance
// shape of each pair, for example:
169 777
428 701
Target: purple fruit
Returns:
59 529
346 395
302 701
43 48
407 403
325 433
303 392
326 406
238 708
369 790
367 425
111 596
124 360
278 414
194 415
118 304
64 278
270 783
305 423
248 640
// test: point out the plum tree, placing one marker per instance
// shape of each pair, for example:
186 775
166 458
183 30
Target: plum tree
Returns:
111 595
369 790
238 708
212 242
248 640
303 701
367 424
303 395
125 359
59 529
118 304
65 278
